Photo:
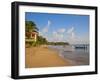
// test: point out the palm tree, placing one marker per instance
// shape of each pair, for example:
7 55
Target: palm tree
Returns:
30 26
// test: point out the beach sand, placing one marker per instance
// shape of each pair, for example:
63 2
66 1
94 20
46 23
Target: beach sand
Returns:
43 57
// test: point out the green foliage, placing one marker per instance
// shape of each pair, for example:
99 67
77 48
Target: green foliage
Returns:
41 40
30 26
30 43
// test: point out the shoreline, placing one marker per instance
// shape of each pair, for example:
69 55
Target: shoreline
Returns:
36 57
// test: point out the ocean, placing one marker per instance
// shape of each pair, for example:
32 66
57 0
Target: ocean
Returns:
79 56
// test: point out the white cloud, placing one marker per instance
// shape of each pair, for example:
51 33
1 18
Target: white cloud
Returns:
44 31
71 37
70 30
64 35
46 28
57 36
49 23
71 33
83 39
76 39
62 30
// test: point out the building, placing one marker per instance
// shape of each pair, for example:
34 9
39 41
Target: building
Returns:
32 35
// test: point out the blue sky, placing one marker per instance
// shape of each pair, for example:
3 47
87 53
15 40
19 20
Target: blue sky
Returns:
61 27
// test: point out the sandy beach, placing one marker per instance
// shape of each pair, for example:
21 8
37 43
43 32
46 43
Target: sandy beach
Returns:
43 57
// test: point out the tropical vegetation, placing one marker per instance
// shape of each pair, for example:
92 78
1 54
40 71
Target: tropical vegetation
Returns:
30 26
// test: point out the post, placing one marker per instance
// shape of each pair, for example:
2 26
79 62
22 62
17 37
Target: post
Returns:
35 38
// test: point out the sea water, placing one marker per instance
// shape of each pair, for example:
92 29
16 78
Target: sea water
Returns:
78 56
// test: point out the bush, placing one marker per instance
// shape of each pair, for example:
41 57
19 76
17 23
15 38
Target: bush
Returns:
30 43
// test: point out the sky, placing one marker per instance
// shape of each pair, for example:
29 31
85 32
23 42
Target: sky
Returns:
61 27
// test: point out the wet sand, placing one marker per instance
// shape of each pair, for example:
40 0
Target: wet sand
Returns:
44 57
